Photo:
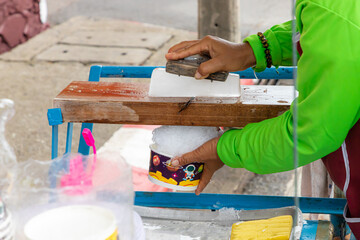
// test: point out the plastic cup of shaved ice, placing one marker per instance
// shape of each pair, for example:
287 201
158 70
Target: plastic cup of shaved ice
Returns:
183 178
172 141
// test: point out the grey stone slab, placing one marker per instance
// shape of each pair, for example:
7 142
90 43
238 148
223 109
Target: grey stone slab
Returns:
87 55
118 39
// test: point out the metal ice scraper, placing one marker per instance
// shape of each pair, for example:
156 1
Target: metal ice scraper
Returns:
188 66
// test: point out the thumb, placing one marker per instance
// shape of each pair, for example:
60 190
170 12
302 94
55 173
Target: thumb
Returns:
187 158
206 152
211 66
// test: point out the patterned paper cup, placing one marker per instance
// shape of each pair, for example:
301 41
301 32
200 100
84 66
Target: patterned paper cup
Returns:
185 178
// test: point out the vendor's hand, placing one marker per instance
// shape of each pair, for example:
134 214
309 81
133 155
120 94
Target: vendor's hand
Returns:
207 154
225 55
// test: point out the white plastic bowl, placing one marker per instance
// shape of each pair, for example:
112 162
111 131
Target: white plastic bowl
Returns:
76 222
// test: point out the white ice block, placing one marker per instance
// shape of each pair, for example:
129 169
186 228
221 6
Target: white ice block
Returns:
165 84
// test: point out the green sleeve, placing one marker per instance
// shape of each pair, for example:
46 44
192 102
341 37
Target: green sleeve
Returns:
328 102
280 45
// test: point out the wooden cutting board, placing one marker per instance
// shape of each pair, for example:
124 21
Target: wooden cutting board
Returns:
129 103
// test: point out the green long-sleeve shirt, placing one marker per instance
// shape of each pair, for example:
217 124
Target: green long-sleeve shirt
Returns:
328 82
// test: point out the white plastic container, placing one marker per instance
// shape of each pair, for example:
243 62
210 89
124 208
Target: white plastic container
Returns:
75 222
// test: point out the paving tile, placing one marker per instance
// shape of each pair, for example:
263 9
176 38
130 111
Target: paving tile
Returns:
118 39
101 55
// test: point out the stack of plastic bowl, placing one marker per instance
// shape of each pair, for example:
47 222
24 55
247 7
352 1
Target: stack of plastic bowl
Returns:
6 228
81 222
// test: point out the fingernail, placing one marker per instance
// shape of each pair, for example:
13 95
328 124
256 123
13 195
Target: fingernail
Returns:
198 75
175 163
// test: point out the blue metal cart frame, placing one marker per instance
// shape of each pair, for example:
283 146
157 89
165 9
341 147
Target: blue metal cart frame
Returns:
204 201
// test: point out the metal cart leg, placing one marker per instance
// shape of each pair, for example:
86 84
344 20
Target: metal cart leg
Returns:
55 119
69 137
54 141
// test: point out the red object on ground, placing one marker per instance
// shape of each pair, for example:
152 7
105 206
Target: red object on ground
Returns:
19 21
148 127
142 183
12 29
246 82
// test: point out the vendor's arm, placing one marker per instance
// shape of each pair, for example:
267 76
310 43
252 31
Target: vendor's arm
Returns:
228 56
279 38
328 102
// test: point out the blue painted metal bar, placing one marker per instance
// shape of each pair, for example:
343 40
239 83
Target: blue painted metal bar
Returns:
269 73
145 72
69 134
309 230
340 226
55 119
247 202
54 141
54 116
127 71
95 73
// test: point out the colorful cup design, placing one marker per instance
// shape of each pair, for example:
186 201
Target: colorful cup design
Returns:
185 178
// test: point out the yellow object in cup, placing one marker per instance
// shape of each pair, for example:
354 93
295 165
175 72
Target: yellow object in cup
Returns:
113 236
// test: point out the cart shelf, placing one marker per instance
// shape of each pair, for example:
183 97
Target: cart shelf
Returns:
128 103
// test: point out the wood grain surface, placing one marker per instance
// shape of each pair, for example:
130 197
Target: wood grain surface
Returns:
129 103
